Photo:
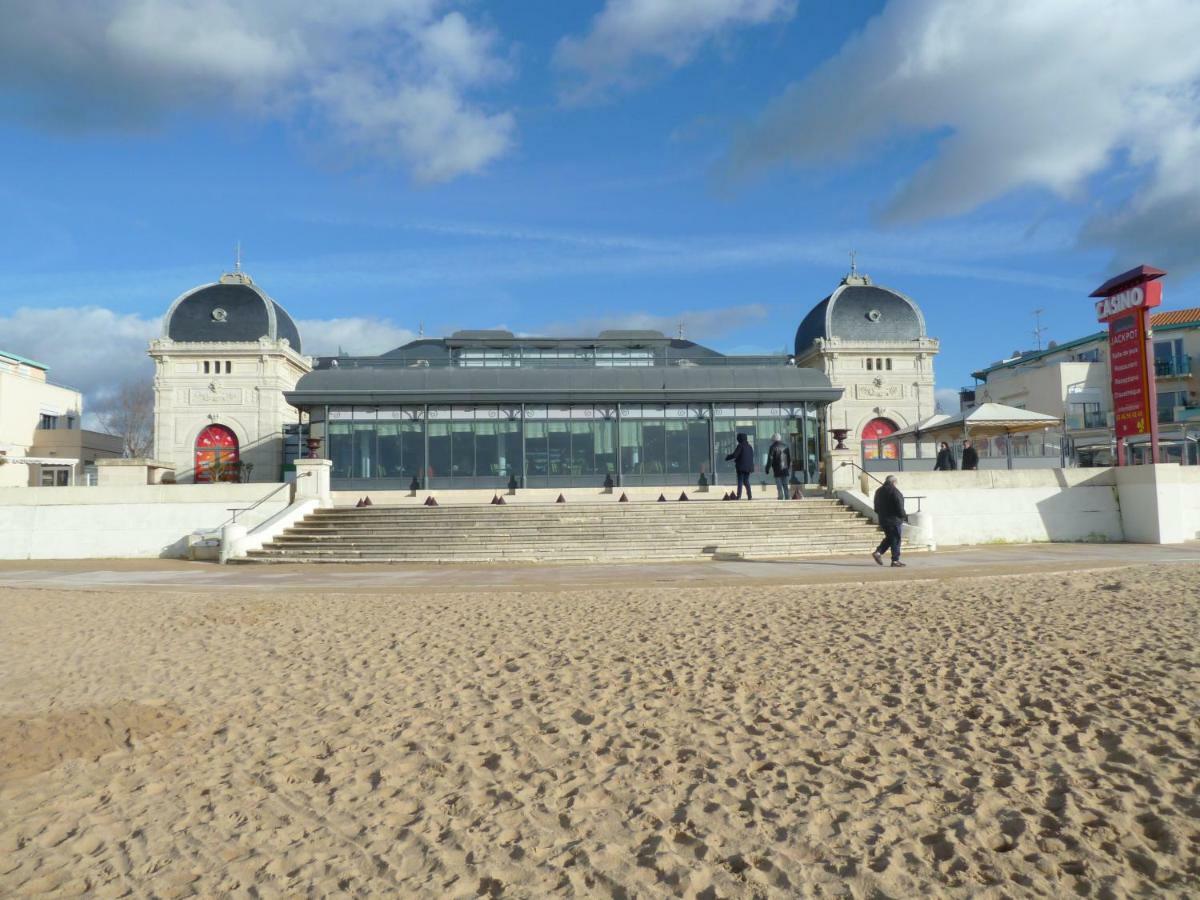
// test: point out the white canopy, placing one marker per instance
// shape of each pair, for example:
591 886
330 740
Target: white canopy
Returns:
985 420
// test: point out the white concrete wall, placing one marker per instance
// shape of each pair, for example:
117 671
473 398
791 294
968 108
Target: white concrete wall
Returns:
129 521
1017 506
1189 490
1159 504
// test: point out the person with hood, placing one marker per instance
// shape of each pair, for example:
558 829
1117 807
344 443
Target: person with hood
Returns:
779 464
945 459
970 457
889 507
743 463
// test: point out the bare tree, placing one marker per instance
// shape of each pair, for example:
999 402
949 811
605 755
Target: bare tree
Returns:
130 416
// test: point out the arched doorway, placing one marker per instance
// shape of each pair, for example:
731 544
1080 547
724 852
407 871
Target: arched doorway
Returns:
872 432
217 457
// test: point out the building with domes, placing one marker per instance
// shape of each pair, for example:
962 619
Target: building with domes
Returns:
227 354
870 341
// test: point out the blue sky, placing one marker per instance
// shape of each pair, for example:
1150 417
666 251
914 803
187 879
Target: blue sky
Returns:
564 167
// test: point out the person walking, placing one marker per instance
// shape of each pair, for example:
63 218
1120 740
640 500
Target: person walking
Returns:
779 464
743 463
970 458
945 459
889 507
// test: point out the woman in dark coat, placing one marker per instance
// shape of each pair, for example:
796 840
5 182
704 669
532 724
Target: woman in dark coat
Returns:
945 460
743 463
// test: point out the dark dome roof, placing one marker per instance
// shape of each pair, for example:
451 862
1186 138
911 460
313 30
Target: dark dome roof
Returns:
861 311
233 309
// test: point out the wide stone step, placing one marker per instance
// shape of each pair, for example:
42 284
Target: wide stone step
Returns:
579 532
565 556
667 541
761 507
533 521
547 524
590 537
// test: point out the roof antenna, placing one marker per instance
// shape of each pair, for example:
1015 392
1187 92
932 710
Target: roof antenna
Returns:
1038 330
853 265
681 329
420 329
237 261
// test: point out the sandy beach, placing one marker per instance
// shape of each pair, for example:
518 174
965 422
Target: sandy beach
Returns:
1032 735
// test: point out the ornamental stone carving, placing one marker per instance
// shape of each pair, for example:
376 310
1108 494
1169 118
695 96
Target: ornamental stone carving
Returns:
879 391
225 397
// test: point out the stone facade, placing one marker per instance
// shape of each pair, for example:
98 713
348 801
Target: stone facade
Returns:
237 384
887 380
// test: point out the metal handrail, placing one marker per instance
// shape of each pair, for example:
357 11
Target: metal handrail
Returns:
848 462
241 509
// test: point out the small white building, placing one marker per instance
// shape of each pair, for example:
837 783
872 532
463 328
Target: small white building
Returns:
227 354
41 441
1072 380
871 341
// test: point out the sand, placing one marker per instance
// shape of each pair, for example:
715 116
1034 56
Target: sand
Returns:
999 737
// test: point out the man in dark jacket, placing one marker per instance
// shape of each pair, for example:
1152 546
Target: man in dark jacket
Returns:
945 459
970 457
743 463
889 507
779 464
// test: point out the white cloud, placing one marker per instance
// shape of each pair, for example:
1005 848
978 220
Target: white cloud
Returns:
89 348
698 324
355 335
947 400
96 350
1046 94
627 34
391 77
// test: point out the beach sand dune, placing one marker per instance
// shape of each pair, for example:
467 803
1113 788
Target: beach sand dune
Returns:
1025 735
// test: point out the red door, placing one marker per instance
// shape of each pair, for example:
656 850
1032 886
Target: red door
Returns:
217 456
873 431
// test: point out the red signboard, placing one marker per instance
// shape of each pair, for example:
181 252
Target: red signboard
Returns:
1125 305
1132 399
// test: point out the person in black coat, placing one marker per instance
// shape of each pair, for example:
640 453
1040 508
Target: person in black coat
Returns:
945 459
743 463
779 464
889 507
970 457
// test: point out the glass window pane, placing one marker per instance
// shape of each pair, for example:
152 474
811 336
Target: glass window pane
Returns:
389 449
654 447
559 447
439 449
535 449
412 449
698 448
583 452
676 441
362 464
508 440
631 447
462 449
487 449
340 449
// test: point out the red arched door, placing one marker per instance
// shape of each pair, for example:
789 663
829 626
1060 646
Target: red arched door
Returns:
217 456
872 432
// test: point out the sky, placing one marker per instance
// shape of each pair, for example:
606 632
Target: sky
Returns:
397 166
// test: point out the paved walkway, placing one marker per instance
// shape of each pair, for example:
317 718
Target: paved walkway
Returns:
958 563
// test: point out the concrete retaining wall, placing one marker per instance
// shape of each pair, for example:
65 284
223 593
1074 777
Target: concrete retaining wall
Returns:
1190 492
1138 504
1018 506
127 521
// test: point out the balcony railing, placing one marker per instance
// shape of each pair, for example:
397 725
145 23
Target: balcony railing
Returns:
1080 421
1173 368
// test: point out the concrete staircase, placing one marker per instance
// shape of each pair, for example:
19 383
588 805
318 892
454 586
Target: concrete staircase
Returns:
583 532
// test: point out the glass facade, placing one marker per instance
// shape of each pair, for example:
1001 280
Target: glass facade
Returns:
547 445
